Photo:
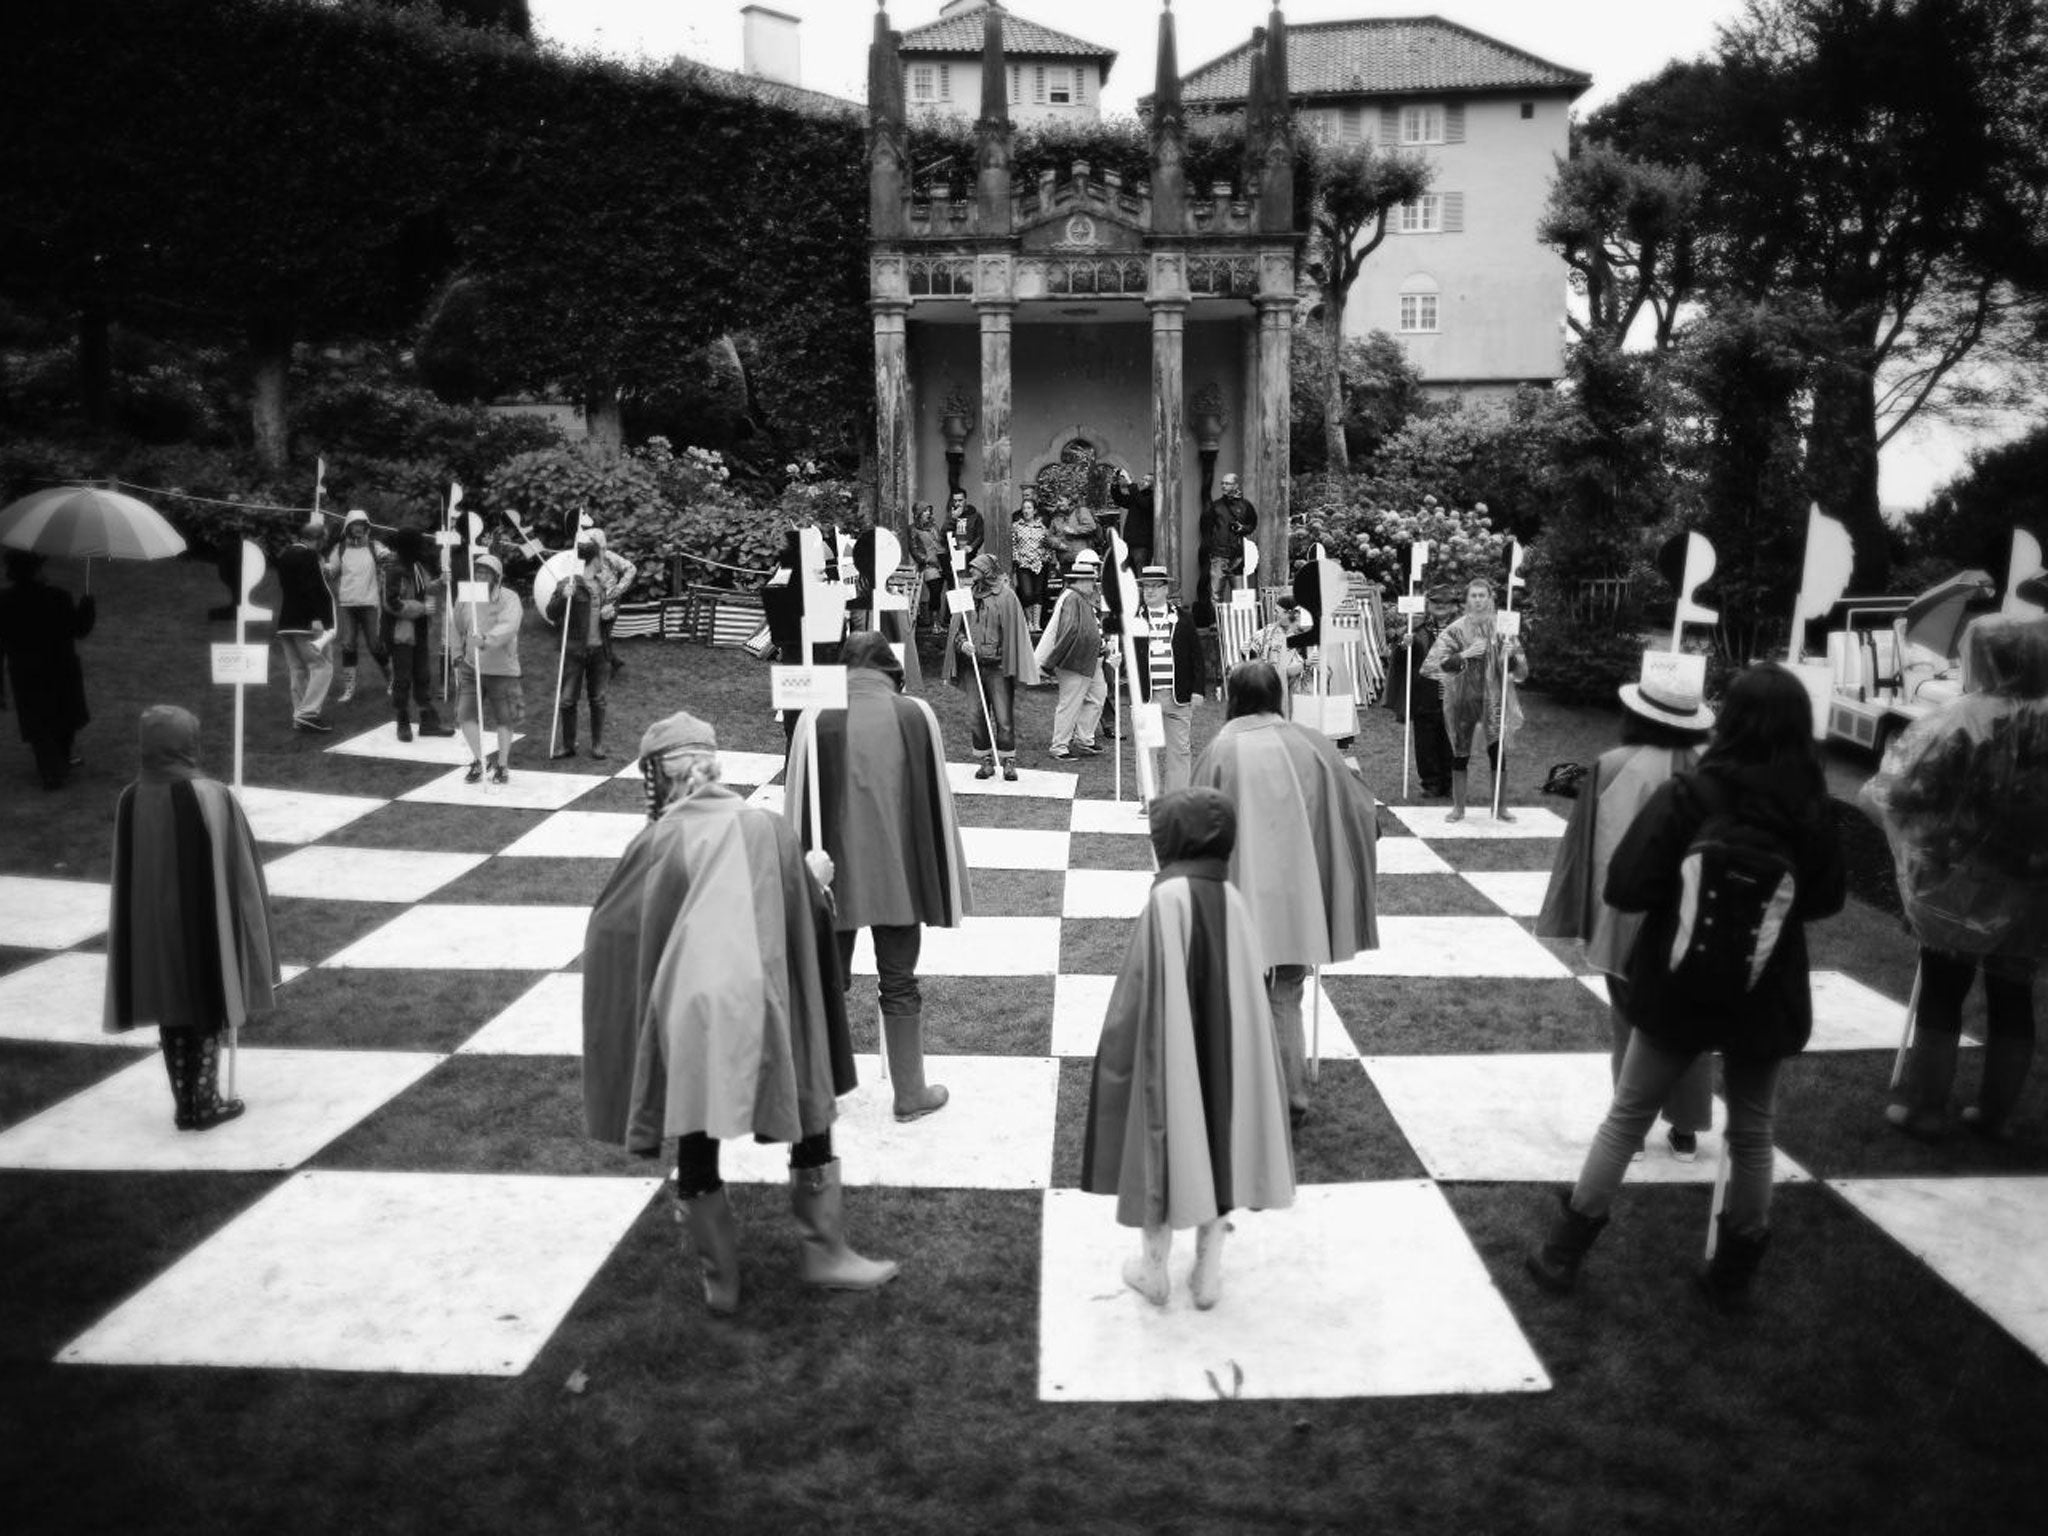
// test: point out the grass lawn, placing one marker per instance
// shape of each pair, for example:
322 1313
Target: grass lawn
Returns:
1864 1395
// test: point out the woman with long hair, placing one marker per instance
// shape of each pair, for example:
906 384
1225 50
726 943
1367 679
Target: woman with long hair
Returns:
1761 781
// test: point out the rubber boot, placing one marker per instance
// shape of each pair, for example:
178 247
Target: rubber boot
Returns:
175 1044
1930 1074
1457 795
1554 1263
348 685
404 726
597 732
903 1038
208 1107
709 1232
819 1204
1205 1281
1724 1279
566 747
1146 1274
2006 1059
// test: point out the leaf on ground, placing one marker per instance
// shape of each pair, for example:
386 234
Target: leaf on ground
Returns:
578 1380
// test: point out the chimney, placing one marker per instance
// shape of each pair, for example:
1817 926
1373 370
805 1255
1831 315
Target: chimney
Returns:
770 48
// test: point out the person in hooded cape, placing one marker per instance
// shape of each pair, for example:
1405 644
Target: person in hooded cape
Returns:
1963 796
709 1010
1186 1110
40 626
188 932
889 828
1305 857
995 642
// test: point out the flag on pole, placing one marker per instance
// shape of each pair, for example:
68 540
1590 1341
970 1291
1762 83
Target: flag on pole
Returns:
1418 557
1830 555
1514 568
319 480
1698 566
2023 578
454 496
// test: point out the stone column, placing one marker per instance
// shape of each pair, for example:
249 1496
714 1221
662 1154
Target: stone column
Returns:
995 304
891 309
1274 410
1174 534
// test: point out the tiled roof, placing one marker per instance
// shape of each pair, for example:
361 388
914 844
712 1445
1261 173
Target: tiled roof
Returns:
774 93
961 33
1384 57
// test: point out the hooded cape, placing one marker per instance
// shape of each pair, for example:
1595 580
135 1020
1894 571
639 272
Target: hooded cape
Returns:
188 930
710 998
1305 859
1187 1110
886 805
1621 784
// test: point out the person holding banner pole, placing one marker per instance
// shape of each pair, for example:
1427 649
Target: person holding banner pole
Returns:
487 636
1172 672
410 594
876 801
305 625
1477 669
991 641
40 626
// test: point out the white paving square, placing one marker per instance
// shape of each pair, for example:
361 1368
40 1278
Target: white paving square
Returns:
1465 947
1524 1119
980 946
546 1020
366 874
1002 848
527 789
63 1000
1080 1002
1987 1237
578 835
299 816
1848 1016
449 1274
466 938
1035 782
50 914
769 797
1358 1290
1106 892
298 1102
1434 820
1110 816
383 742
994 1133
1407 856
1517 892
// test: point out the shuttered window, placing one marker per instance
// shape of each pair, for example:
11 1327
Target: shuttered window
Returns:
1080 85
1454 123
1038 83
1016 85
1390 125
1350 124
1454 213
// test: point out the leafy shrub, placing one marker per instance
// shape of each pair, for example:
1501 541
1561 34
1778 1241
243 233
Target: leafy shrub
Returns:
1345 515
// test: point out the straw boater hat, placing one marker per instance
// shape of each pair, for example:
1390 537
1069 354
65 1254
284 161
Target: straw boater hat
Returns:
1668 702
1154 573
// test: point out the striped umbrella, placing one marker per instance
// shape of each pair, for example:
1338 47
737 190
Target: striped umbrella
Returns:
82 520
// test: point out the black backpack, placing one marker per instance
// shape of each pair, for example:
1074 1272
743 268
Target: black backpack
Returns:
1738 879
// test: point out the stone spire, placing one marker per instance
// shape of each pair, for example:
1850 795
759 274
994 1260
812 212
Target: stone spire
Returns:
1276 188
1169 136
1256 125
992 129
888 148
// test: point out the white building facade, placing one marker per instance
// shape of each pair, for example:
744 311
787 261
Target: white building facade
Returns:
1052 77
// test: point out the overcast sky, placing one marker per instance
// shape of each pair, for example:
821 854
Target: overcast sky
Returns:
1617 42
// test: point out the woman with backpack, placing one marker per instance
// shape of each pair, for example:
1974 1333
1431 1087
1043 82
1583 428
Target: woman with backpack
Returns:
1729 864
1964 799
1663 727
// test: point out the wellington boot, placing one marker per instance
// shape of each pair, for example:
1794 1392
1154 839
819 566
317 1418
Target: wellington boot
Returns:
1724 1279
1146 1274
1922 1109
348 685
708 1230
2006 1059
177 1045
819 1204
1554 1263
1205 1281
1457 795
597 750
203 1075
903 1038
566 745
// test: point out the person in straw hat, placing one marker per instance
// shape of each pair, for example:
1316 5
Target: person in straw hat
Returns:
711 1008
1071 648
1664 726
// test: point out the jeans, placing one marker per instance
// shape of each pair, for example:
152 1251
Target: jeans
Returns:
1079 711
1284 986
1001 693
359 627
310 668
1648 1074
1690 1104
585 670
1177 764
412 672
2008 994
896 952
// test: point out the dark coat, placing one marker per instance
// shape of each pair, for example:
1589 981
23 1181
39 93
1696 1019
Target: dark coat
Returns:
1644 877
303 595
39 626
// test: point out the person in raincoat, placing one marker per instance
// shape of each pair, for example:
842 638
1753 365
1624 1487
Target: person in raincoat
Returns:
1472 663
1186 1109
1963 796
994 641
711 1009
